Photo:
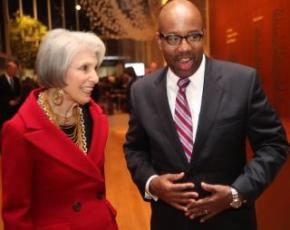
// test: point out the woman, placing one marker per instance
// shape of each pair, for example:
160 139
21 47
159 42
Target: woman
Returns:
53 148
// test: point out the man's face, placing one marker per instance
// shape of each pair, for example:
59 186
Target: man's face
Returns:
11 69
183 58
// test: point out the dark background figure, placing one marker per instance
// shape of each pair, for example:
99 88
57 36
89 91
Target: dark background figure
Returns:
105 88
151 68
130 73
27 85
9 92
96 94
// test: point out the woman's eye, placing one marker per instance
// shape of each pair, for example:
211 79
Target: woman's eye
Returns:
84 68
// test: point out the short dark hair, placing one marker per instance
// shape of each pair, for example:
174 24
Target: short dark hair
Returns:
130 71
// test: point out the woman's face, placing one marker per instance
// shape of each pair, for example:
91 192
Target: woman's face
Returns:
81 77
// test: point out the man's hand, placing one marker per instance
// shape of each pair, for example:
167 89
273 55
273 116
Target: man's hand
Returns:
167 188
211 205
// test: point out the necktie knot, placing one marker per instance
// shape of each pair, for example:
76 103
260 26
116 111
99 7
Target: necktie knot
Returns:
183 83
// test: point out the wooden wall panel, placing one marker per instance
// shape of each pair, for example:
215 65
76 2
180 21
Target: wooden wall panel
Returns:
255 33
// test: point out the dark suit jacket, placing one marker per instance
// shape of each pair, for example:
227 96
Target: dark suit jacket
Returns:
233 107
48 182
7 94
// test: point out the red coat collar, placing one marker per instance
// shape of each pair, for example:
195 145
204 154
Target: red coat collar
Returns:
53 142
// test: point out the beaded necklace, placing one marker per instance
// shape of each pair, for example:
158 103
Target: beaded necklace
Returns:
75 131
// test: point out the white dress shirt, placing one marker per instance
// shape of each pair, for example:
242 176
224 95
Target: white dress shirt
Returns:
193 95
10 80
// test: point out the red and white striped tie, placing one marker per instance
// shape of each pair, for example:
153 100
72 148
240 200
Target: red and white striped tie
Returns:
182 118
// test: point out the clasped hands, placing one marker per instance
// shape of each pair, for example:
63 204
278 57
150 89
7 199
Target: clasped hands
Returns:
183 197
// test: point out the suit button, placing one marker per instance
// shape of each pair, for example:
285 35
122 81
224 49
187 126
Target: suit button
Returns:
100 195
76 206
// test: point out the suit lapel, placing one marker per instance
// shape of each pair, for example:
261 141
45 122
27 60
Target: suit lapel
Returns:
54 143
6 84
162 107
212 94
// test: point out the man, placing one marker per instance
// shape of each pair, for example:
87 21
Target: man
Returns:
9 92
185 146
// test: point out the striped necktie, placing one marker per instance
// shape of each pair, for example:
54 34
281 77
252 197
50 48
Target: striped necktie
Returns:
182 118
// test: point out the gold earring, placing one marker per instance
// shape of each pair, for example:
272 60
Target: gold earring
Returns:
57 97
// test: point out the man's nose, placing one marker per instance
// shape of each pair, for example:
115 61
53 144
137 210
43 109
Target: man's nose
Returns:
184 45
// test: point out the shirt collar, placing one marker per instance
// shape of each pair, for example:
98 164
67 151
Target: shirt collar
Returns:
7 77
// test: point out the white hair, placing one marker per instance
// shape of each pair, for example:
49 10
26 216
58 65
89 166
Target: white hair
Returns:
57 50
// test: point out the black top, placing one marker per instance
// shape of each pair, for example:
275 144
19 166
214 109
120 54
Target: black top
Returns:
88 126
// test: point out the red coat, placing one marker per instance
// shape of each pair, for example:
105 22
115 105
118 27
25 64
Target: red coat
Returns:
48 182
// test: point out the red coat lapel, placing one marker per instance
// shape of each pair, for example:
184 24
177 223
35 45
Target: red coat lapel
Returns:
51 141
99 135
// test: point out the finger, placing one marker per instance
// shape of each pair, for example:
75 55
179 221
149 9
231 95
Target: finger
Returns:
195 211
179 206
199 204
191 204
208 216
197 208
183 198
175 177
185 195
184 201
209 187
190 195
182 186
189 215
195 214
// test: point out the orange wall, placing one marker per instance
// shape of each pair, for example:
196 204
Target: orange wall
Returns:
256 33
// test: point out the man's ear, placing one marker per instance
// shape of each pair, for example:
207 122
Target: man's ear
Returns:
158 39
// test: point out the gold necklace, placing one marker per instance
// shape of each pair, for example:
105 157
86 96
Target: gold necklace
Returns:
70 131
78 135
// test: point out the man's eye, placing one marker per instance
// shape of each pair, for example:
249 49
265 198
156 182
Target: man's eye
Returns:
194 37
173 38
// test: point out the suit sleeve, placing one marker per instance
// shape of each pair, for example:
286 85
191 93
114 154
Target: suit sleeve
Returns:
136 148
17 167
268 141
